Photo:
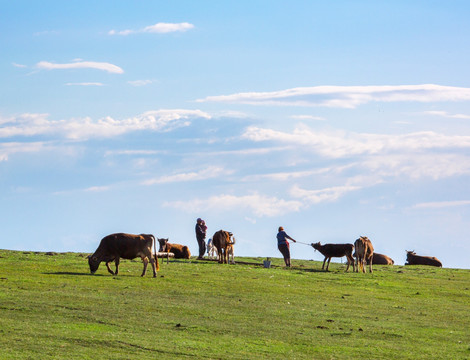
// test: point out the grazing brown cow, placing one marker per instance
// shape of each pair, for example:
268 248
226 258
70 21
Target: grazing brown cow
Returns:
413 259
364 252
222 241
180 251
335 250
126 246
380 259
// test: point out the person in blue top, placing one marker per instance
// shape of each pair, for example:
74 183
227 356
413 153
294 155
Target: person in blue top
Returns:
283 245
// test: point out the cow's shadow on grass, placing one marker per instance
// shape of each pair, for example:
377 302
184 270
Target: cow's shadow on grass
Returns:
71 273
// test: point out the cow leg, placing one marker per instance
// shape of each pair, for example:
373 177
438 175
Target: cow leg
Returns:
328 264
145 260
154 268
323 266
349 258
370 264
109 269
117 266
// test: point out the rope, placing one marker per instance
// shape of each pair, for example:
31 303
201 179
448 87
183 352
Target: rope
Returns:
300 242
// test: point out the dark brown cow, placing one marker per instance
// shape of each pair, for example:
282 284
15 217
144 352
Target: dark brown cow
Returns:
180 251
364 252
222 241
126 246
380 259
413 259
335 250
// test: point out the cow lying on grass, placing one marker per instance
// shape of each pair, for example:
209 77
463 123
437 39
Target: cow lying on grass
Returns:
364 253
223 242
380 259
180 251
413 259
335 250
126 246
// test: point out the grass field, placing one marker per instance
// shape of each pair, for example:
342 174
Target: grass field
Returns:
52 308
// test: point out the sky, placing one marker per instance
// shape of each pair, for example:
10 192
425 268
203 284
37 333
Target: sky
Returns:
332 119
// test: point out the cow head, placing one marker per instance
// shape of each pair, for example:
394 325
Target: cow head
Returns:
94 263
163 243
409 254
316 246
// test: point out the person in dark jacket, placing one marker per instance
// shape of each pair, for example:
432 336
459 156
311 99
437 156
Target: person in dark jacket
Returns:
283 245
201 237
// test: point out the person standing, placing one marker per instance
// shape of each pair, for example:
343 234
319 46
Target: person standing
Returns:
201 237
283 245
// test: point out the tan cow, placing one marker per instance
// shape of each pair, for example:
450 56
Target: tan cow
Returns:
380 259
180 251
364 252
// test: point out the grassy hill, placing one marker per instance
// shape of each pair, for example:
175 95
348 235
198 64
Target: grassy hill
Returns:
52 308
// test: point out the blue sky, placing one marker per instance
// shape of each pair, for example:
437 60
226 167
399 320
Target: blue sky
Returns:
332 119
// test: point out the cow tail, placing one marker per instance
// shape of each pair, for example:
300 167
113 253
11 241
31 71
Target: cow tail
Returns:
157 265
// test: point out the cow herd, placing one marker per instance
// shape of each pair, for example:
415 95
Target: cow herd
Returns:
128 246
364 254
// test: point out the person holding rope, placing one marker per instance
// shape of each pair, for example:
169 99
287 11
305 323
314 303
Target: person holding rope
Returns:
283 245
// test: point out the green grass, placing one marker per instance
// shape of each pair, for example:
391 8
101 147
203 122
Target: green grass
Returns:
51 308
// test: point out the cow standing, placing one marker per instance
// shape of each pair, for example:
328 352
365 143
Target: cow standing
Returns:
364 253
413 259
335 250
126 246
222 241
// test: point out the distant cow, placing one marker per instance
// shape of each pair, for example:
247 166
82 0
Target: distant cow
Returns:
222 240
413 259
364 253
380 259
180 251
335 250
126 246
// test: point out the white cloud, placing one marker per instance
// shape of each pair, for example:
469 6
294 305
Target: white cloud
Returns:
19 65
84 128
416 166
343 144
259 205
111 68
133 152
159 28
441 204
285 176
208 173
140 82
85 84
322 195
447 115
307 117
346 96
7 149
97 189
